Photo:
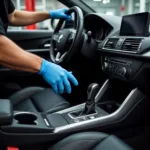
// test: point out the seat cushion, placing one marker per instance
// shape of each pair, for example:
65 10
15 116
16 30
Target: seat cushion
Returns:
36 99
91 141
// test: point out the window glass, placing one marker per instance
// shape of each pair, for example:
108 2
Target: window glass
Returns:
40 5
118 7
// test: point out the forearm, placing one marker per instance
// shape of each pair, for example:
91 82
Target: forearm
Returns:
14 57
24 18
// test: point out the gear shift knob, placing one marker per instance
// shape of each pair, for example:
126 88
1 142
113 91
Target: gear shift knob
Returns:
92 92
90 103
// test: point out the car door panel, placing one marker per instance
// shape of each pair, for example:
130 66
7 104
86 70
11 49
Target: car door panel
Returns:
31 39
36 42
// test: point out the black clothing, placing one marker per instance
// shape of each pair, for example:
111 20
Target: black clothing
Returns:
6 7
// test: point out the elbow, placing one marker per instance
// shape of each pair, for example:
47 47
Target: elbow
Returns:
11 18
3 43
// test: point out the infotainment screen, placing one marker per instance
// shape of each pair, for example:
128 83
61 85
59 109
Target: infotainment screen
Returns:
135 25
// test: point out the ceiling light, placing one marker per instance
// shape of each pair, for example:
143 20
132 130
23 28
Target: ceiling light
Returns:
110 13
104 1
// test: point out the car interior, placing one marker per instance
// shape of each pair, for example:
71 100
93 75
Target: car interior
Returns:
109 110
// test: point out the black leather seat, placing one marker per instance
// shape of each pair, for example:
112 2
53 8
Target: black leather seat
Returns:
91 141
36 99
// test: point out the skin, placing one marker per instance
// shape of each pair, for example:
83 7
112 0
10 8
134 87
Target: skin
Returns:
11 55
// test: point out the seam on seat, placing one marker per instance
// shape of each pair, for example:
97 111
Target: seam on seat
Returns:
102 140
62 145
34 106
28 110
32 101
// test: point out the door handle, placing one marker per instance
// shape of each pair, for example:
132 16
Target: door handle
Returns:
47 45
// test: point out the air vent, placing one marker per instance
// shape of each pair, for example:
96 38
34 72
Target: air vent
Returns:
131 44
111 43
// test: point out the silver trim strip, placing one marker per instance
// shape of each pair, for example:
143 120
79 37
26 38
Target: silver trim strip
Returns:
96 120
20 113
98 96
37 50
47 45
132 52
46 122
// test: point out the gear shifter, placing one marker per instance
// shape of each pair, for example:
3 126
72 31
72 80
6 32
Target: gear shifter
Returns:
90 103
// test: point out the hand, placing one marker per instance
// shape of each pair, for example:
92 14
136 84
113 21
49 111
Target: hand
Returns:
57 77
60 14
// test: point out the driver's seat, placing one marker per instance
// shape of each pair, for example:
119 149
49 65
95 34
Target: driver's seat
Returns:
37 99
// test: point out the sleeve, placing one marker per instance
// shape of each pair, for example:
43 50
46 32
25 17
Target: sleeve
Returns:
2 31
11 7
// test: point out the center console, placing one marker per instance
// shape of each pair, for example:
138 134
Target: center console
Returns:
122 68
105 108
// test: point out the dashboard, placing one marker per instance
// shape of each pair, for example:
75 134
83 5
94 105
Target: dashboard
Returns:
100 28
125 57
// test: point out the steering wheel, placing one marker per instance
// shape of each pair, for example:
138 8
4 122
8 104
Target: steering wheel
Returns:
66 43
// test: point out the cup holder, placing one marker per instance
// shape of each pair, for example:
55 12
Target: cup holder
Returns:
26 118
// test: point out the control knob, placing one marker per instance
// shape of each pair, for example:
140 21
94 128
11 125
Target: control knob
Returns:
105 65
123 71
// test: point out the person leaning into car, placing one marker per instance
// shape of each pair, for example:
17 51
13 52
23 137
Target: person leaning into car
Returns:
14 57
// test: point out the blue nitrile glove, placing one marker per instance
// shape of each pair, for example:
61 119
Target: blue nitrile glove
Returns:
57 77
59 14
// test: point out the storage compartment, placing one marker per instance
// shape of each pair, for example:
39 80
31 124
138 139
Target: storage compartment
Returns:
109 106
26 118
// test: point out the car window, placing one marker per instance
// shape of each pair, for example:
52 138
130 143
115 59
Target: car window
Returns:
40 5
118 7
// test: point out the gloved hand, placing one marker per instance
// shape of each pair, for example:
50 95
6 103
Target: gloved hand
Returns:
57 77
60 14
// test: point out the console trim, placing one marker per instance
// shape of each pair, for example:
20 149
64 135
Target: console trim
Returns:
101 91
76 126
69 114
46 122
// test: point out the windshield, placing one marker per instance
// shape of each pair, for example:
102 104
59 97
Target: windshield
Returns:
118 7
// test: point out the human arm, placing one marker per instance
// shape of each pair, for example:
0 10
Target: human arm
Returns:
16 58
24 18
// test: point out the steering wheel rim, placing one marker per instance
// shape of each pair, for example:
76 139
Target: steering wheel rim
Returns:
76 35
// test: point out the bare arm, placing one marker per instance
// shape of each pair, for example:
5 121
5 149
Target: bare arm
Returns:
24 18
14 57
